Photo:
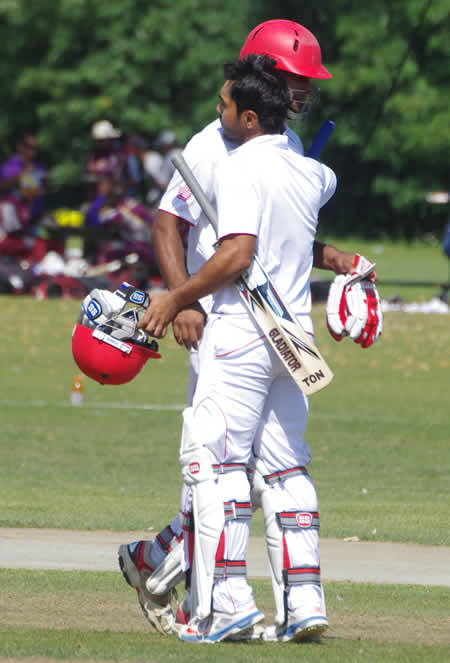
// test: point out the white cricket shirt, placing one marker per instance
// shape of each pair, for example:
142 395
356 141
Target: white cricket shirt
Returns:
264 188
202 153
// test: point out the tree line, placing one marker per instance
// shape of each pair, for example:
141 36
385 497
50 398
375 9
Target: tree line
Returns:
148 66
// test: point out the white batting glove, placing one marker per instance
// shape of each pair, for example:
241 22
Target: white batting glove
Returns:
336 311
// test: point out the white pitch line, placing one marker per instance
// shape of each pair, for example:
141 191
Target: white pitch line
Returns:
95 405
177 407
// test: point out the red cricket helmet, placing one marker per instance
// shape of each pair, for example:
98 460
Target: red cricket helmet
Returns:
295 48
109 360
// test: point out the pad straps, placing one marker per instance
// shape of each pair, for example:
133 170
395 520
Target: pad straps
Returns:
298 519
275 477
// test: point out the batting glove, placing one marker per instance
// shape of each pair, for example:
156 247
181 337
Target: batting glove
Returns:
353 306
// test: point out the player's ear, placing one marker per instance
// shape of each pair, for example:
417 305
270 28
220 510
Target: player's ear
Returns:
250 118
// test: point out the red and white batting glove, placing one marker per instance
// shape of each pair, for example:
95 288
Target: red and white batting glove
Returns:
364 323
353 306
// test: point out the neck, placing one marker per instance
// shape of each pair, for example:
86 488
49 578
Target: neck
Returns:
253 133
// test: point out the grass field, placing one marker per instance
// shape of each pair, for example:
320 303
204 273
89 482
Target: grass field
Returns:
378 434
88 616
379 439
414 262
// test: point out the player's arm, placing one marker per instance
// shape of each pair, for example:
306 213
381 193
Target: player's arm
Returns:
169 249
188 324
329 257
233 256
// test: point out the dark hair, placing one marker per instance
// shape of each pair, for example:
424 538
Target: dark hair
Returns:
259 87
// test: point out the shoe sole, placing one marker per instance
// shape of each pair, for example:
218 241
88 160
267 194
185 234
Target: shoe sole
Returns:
301 632
132 576
310 633
127 566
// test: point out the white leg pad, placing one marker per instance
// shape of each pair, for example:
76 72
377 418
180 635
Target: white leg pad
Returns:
300 546
207 507
169 573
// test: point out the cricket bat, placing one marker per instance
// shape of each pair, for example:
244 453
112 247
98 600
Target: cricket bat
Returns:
321 139
293 345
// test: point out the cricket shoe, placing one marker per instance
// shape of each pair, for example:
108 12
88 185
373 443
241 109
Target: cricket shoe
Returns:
133 562
298 629
220 626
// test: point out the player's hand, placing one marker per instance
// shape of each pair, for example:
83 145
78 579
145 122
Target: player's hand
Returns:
188 326
360 269
353 264
160 312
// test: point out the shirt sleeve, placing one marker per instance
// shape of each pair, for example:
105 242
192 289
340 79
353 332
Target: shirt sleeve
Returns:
238 198
178 198
329 184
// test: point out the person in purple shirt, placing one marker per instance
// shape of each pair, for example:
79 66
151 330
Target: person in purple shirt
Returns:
127 223
24 177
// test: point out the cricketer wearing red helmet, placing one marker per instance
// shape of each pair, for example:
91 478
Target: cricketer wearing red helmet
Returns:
298 57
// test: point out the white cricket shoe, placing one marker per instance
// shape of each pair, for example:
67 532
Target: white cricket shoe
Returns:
298 629
135 570
220 626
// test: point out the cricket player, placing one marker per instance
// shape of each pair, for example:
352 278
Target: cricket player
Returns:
158 565
268 198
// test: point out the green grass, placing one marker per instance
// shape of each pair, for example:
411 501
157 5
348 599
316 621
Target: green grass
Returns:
80 645
343 598
379 441
400 261
88 616
378 433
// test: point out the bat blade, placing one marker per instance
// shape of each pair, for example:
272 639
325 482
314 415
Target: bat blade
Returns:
293 345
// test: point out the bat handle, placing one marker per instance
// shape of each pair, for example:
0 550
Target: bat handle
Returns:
321 139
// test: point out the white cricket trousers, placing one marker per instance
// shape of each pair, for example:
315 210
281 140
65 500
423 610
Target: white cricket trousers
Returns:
245 400
246 403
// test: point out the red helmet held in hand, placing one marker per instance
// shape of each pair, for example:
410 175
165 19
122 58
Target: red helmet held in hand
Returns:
106 342
106 359
295 49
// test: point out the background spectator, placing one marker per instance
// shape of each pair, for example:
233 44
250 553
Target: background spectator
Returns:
167 145
127 224
25 177
158 163
134 148
152 163
23 183
106 157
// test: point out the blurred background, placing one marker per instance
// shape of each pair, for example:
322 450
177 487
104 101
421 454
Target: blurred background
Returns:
95 88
